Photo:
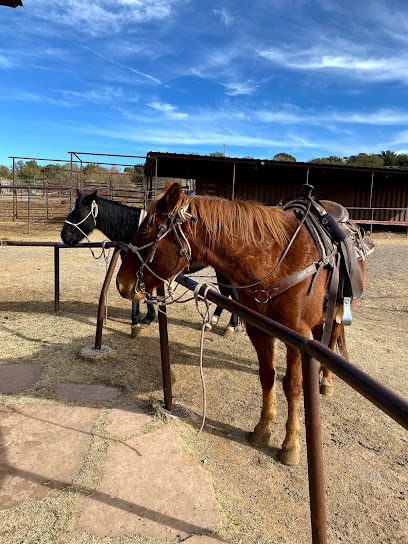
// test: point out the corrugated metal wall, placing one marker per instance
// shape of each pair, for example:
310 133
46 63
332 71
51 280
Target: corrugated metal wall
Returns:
268 182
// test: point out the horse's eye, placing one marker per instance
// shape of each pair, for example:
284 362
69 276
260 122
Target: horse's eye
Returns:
144 233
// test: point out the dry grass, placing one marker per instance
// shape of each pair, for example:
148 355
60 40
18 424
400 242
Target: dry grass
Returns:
261 501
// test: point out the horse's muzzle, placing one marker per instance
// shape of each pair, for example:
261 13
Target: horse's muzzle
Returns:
129 292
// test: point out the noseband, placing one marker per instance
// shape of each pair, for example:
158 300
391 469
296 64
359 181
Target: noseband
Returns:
173 222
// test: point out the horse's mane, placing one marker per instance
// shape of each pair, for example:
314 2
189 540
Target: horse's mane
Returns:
247 219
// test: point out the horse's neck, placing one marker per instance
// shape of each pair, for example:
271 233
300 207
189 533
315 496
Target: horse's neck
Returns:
231 260
116 221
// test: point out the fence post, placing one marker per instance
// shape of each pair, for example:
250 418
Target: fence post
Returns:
164 351
56 278
29 208
311 394
102 298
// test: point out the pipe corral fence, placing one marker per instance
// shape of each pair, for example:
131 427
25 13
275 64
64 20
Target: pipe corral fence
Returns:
312 352
50 196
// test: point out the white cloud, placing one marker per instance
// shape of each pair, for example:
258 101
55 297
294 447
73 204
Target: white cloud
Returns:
169 110
104 16
225 16
147 77
348 62
239 87
104 95
4 62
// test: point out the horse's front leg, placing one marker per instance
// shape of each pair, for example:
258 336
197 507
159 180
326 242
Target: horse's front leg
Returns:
292 386
136 319
150 315
266 351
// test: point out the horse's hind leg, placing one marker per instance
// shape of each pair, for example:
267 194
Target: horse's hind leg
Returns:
292 386
337 335
265 348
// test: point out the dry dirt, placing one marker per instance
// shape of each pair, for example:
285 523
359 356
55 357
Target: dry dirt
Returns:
261 501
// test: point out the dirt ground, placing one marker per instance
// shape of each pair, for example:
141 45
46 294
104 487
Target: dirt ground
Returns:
261 501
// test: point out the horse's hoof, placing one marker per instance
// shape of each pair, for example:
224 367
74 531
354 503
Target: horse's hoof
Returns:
228 331
135 331
207 327
214 320
289 457
326 390
259 440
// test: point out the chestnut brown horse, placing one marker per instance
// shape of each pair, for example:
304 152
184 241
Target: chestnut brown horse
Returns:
245 241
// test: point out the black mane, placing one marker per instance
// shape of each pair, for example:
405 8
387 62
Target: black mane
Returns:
117 221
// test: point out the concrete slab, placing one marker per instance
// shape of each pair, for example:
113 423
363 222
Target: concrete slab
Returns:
42 448
127 419
77 391
151 487
15 378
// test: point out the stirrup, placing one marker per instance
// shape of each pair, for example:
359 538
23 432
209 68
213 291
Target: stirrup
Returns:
346 318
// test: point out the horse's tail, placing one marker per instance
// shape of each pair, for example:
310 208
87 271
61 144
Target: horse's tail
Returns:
341 344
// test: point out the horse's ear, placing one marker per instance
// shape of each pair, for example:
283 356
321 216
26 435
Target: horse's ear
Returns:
167 185
78 192
91 197
170 198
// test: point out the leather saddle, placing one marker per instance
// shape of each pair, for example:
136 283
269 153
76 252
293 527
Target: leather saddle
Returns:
329 224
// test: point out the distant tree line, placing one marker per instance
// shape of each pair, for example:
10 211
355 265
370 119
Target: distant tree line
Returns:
31 171
372 160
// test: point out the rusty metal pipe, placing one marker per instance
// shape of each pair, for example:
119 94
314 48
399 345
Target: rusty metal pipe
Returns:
311 395
56 278
164 351
102 298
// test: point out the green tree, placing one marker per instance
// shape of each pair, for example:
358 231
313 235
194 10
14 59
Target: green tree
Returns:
373 160
332 159
284 157
4 172
389 158
402 160
216 154
27 171
137 173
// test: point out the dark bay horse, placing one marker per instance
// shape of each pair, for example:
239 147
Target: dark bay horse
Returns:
119 222
244 240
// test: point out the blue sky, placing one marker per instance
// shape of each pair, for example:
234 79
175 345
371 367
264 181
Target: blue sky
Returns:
311 79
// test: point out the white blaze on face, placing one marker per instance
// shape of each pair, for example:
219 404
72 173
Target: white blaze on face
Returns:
143 214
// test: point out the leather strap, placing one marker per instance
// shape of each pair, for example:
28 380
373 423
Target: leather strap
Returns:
263 296
332 302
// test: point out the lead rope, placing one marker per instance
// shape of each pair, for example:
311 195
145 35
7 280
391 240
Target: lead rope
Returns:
206 319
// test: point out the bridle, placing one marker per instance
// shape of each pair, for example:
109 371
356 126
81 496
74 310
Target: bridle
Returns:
174 220
93 213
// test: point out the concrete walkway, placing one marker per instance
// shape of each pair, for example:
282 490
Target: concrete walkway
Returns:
147 486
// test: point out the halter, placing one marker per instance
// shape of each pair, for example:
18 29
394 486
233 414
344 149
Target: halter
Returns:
174 220
93 212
